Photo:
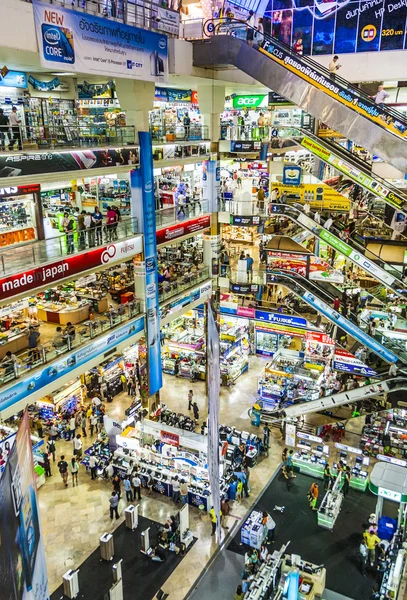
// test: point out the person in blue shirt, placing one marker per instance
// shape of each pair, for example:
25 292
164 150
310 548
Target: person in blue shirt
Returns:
249 262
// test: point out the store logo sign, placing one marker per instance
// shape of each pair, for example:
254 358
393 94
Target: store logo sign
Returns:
8 190
248 101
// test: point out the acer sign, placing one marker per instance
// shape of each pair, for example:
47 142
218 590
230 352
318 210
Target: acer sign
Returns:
250 101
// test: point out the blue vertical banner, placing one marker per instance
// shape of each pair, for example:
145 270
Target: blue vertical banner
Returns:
211 184
155 377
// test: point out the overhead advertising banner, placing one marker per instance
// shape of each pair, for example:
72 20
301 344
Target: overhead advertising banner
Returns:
280 319
23 571
180 229
319 195
345 361
252 101
353 173
349 327
244 221
244 288
15 79
339 27
82 43
245 146
13 165
292 175
67 267
51 373
300 67
213 358
146 179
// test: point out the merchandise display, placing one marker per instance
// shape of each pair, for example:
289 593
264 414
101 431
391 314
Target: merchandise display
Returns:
330 506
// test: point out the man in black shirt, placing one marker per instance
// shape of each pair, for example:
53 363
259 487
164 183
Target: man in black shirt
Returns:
63 469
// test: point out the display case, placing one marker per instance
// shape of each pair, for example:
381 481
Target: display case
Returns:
330 506
253 532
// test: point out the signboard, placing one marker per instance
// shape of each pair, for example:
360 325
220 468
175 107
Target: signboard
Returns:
68 267
275 99
246 311
20 190
320 196
83 43
252 101
15 79
345 361
339 27
389 494
242 221
173 95
245 146
353 173
50 374
350 449
393 461
244 288
211 184
281 319
310 438
169 438
292 175
349 327
331 87
167 21
290 431
13 165
180 229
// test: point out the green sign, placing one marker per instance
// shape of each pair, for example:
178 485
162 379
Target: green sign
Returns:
335 242
248 101
353 173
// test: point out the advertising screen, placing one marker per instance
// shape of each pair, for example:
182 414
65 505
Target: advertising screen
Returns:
340 26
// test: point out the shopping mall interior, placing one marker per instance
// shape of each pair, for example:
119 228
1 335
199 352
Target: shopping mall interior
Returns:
203 300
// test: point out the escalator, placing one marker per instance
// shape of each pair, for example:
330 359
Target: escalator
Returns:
352 250
390 385
299 79
321 301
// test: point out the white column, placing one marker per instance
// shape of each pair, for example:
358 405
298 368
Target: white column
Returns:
136 99
211 100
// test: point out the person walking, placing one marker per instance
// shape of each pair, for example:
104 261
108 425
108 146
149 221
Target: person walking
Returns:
127 489
47 465
74 468
271 527
4 128
195 408
72 427
92 465
184 492
83 424
239 491
225 510
136 483
249 263
266 439
114 503
364 553
176 496
213 520
313 496
117 486
190 399
51 447
63 470
93 423
15 123
77 446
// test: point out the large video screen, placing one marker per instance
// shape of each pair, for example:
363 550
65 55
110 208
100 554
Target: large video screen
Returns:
340 26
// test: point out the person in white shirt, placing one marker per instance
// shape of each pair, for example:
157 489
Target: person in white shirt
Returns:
77 445
93 423
271 527
15 128
307 208
380 96
96 401
109 471
92 465
328 223
176 486
136 483
181 204
393 370
334 66
72 427
317 218
90 228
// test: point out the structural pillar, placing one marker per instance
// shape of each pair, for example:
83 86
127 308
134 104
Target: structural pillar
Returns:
211 100
136 99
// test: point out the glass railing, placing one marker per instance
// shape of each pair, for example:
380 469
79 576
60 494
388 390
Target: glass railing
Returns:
186 282
169 215
19 258
179 133
63 343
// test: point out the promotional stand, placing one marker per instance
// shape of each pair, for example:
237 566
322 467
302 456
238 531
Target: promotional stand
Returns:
106 546
145 542
71 583
131 517
330 506
186 536
116 591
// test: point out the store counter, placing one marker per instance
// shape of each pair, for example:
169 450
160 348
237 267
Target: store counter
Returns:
253 532
313 468
73 315
11 342
309 574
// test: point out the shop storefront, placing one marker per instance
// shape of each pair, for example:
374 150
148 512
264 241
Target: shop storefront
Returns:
20 214
175 116
171 181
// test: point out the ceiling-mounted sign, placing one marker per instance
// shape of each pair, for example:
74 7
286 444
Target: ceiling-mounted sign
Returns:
89 91
167 20
253 101
245 221
245 146
16 79
389 494
291 175
44 86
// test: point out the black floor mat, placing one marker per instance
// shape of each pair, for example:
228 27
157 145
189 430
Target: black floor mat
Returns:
141 576
337 551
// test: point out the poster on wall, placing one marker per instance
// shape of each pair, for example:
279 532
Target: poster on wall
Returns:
339 27
79 42
23 571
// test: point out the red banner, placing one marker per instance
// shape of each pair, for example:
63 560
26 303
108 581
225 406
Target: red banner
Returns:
180 229
68 267
322 338
170 438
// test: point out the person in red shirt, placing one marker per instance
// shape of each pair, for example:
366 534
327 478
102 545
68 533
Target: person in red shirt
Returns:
111 220
337 303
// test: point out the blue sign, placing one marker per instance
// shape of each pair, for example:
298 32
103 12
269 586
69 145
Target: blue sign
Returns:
291 175
280 319
350 328
155 377
353 368
84 43
16 79
50 374
44 86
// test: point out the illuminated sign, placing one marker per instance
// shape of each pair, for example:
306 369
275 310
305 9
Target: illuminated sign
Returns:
389 494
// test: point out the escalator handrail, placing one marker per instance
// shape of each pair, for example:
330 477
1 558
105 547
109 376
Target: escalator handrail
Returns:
311 63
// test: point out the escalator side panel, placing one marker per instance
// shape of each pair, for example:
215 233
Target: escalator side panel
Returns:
225 50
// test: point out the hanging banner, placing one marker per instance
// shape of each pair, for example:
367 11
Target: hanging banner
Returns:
146 180
345 361
44 86
213 356
83 43
290 431
90 91
22 558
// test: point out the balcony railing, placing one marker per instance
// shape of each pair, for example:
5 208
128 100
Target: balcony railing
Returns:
45 353
169 215
183 284
179 133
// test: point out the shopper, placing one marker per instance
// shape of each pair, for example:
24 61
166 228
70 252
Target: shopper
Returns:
123 379
260 199
190 399
117 486
47 465
239 594
74 468
128 489
114 503
136 483
93 423
63 469
51 448
69 333
72 427
299 47
336 304
239 491
250 28
317 217
334 66
313 496
270 524
176 490
379 97
266 439
225 510
364 553
212 516
15 123
4 128
249 262
67 225
83 424
345 481
77 445
195 408
33 352
307 208
93 466
184 492
109 471
372 540
111 220
97 221
393 370
181 204
327 477
328 223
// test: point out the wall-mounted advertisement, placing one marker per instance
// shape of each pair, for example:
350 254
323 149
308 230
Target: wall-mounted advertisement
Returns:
341 26
23 572
82 43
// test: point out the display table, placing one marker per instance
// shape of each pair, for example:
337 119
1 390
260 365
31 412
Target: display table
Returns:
14 344
317 579
72 315
253 532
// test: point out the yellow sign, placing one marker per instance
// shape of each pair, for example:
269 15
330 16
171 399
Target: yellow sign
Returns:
319 195
368 33
315 367
278 373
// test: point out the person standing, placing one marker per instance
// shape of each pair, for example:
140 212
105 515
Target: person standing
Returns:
93 423
136 483
47 465
15 128
225 510
77 446
33 353
372 540
117 486
190 399
74 468
213 520
63 470
176 490
4 128
313 496
271 527
92 465
364 553
266 439
336 304
181 204
195 408
327 477
51 448
334 66
127 489
83 424
72 427
97 219
114 503
250 30
393 370
184 492
67 226
239 491
89 226
82 230
346 481
123 379
307 208
379 97
249 262
111 220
